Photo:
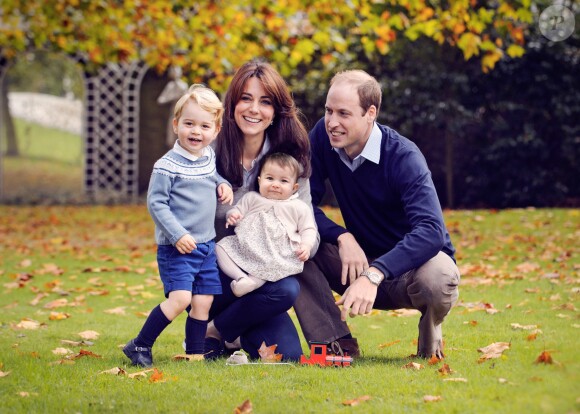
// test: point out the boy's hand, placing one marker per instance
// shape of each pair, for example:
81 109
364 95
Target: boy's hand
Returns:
233 219
303 252
186 244
225 194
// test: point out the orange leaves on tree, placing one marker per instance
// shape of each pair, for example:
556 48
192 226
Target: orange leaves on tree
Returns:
237 33
268 353
356 401
244 408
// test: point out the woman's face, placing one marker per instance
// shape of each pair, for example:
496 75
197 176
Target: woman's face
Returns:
254 111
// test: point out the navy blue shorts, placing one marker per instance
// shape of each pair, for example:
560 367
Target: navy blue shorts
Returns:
196 272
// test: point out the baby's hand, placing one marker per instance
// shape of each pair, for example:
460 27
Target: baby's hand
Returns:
303 252
233 219
186 244
225 194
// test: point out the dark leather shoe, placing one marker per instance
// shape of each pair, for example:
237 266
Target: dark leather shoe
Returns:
213 348
347 346
139 355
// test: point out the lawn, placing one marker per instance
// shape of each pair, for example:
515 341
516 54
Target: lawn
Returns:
49 166
68 272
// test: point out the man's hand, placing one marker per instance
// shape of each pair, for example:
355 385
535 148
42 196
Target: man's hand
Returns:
359 297
186 244
353 259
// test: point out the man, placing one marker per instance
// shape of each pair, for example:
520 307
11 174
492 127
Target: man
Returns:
395 251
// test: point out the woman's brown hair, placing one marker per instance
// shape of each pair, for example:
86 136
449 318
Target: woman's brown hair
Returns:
287 133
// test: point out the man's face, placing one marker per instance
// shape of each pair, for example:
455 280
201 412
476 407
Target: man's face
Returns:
346 124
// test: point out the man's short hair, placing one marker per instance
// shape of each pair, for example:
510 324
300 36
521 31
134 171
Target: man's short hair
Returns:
368 88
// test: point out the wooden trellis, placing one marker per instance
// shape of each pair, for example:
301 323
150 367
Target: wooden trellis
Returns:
111 131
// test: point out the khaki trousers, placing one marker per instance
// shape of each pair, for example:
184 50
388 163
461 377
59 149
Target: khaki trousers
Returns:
432 289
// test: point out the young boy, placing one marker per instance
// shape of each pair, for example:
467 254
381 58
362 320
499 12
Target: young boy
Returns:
182 202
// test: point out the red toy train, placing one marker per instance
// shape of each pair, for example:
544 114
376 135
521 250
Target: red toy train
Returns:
320 355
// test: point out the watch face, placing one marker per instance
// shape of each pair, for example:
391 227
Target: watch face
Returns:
375 278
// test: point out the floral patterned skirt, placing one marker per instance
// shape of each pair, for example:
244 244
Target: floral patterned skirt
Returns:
262 248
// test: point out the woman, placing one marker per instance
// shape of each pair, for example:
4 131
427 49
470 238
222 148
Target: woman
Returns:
260 118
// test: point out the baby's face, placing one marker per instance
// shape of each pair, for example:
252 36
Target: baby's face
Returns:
277 182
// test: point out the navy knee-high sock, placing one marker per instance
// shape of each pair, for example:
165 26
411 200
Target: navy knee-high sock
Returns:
155 324
194 335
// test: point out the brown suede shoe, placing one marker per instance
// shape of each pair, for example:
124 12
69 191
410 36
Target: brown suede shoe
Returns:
347 346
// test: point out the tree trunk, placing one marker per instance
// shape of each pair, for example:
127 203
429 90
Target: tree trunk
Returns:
449 167
153 119
6 120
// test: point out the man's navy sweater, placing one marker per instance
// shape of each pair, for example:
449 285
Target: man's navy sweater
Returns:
391 208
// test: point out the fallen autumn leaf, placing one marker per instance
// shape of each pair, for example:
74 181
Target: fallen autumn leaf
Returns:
356 401
245 408
494 350
89 335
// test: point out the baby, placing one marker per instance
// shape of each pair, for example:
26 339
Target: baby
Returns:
275 230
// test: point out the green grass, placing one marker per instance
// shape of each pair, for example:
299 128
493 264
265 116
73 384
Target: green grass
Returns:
522 263
38 142
49 167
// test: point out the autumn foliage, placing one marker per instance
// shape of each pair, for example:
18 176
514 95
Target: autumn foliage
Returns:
208 39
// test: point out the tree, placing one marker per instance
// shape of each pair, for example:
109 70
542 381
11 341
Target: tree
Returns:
308 41
210 38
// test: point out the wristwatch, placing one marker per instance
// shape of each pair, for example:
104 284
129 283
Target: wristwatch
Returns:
374 277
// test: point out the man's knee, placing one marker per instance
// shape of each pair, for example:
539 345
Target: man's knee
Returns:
436 284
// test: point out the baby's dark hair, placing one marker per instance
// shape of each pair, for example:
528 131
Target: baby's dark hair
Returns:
283 160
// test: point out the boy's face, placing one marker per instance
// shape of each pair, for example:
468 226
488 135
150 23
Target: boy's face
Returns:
346 125
277 182
196 128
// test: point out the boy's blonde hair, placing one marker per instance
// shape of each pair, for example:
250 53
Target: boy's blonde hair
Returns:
205 98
